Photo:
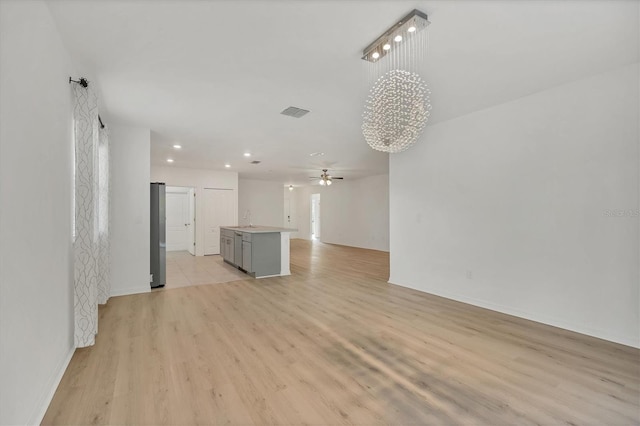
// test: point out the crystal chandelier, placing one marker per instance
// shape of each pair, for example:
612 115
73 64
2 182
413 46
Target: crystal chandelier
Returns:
398 105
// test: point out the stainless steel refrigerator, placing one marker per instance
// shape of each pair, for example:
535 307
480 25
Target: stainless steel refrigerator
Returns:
158 236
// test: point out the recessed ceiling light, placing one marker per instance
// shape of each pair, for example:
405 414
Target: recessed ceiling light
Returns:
375 55
169 160
247 154
397 38
386 46
176 146
411 29
227 165
316 154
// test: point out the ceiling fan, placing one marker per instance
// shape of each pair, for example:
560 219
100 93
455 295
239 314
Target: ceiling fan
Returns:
326 178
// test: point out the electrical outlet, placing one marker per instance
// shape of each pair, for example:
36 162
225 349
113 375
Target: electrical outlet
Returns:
150 278
469 275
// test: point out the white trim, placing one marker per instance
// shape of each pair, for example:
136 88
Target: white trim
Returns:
554 322
50 390
130 290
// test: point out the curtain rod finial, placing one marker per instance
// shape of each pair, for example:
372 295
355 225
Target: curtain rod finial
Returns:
82 82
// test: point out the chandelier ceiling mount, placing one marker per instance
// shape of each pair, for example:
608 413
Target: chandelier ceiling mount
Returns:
411 24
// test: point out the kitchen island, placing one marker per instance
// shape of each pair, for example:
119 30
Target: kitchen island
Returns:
260 251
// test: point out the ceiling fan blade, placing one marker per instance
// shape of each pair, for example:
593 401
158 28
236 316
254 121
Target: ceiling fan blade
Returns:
334 177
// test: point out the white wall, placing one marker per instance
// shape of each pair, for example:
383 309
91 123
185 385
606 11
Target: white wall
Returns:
198 179
352 212
130 209
356 213
264 199
36 262
509 208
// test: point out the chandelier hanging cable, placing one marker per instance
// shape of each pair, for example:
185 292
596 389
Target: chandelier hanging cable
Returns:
398 106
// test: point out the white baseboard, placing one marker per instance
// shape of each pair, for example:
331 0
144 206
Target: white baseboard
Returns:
555 322
50 389
130 290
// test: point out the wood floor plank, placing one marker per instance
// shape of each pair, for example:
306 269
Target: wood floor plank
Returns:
334 343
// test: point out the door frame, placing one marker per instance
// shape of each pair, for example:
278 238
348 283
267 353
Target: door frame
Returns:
192 214
314 224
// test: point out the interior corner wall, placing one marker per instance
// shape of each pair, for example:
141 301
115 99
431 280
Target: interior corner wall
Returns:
263 199
36 257
200 179
130 209
529 208
356 213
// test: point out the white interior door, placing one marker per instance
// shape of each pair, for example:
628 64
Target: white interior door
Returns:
290 214
177 219
219 210
192 227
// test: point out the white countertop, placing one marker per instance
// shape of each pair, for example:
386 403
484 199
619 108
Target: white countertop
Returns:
257 229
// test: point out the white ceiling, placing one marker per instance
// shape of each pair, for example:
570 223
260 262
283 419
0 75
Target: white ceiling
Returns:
214 75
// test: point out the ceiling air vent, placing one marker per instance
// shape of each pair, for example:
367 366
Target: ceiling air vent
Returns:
255 162
294 112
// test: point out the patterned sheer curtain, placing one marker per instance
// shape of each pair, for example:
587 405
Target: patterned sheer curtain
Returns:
104 218
91 243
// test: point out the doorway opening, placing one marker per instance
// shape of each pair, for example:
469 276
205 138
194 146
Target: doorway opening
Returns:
180 204
315 216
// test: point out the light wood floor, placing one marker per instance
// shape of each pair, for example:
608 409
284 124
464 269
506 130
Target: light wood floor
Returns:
334 344
184 270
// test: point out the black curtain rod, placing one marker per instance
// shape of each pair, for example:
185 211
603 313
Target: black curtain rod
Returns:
85 83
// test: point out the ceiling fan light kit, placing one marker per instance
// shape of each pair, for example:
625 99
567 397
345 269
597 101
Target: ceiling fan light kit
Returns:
398 106
325 178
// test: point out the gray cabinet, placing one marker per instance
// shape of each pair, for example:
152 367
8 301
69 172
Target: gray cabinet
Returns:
246 256
230 249
265 254
227 246
257 253
228 243
237 249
